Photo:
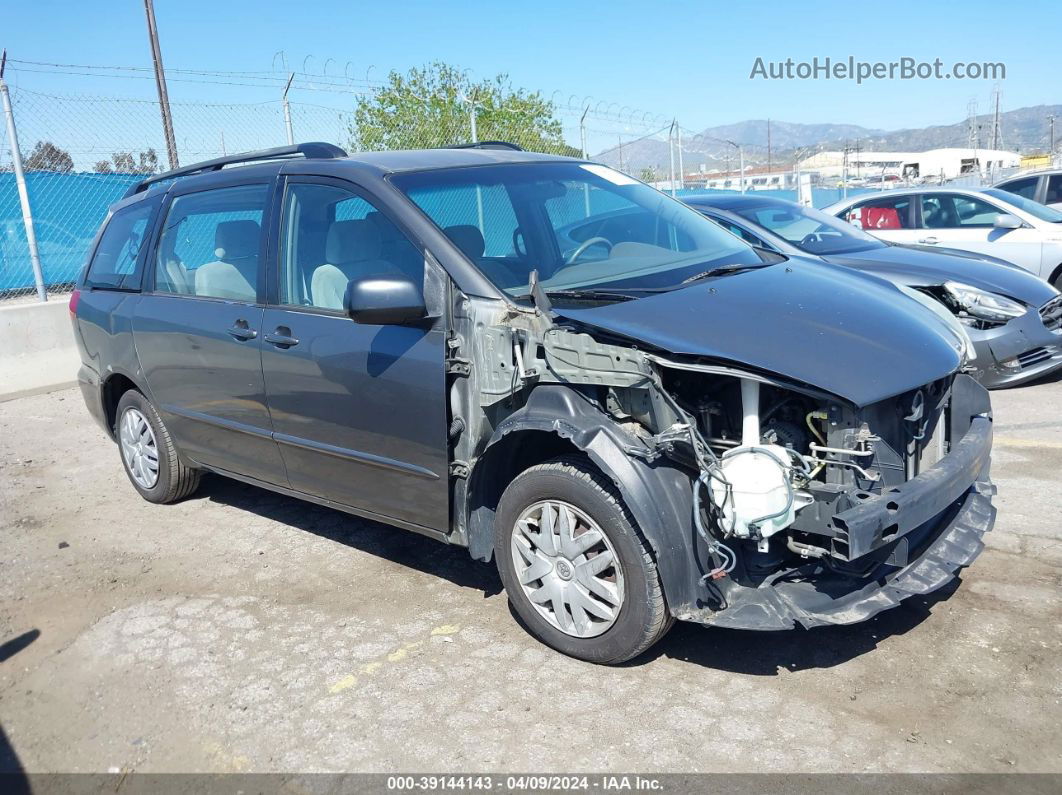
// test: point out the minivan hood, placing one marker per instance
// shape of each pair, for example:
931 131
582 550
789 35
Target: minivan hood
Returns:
855 336
917 267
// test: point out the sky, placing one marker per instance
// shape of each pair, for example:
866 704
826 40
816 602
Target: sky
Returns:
687 60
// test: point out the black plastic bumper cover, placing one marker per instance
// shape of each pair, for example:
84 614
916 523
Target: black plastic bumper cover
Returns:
945 512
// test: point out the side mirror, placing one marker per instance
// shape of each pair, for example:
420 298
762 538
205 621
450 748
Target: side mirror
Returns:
1007 221
384 301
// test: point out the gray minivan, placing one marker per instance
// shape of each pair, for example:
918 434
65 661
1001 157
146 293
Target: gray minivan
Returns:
638 420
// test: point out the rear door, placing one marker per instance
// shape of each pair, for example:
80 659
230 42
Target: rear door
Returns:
197 329
957 220
359 411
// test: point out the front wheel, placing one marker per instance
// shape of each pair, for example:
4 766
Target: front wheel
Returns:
575 567
148 453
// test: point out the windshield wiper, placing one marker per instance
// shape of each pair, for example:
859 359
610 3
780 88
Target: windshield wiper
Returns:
719 270
588 294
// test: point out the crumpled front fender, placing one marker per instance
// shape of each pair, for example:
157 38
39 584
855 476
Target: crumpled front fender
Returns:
658 494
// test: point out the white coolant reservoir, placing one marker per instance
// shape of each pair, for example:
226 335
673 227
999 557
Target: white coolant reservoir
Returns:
757 491
759 487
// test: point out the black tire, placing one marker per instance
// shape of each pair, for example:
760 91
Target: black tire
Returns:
643 617
176 480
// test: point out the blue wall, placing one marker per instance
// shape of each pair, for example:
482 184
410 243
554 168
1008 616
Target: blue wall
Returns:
67 211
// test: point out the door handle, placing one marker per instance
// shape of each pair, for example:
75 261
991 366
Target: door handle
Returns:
282 338
932 241
241 331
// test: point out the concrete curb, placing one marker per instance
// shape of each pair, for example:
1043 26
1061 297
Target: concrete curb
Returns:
37 349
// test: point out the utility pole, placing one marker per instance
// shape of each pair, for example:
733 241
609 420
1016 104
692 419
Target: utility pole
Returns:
582 132
287 111
768 148
20 181
160 83
682 167
671 154
741 163
844 171
472 119
1051 126
586 156
741 160
475 140
997 134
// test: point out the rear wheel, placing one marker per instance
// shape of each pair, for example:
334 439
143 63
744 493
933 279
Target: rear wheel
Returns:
577 571
148 454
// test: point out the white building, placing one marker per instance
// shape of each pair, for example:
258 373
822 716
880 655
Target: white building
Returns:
935 163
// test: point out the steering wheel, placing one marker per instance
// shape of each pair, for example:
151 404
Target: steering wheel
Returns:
816 237
518 235
582 247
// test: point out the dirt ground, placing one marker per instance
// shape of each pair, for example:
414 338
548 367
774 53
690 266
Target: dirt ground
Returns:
244 631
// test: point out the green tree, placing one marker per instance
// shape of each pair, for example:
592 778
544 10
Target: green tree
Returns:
146 162
431 107
46 156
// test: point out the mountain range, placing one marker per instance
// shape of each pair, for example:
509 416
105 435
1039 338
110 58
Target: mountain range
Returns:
1024 130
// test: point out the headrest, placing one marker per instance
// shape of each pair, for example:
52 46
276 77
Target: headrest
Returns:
236 240
468 238
352 241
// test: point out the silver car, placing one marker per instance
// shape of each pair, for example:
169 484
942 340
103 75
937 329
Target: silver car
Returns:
990 221
1044 187
1013 319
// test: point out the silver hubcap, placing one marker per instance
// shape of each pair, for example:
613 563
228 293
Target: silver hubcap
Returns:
139 451
568 568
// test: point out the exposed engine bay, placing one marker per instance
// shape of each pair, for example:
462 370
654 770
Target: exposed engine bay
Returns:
773 470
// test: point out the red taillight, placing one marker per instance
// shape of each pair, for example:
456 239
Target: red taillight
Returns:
74 298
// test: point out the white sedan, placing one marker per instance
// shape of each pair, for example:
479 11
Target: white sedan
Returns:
989 221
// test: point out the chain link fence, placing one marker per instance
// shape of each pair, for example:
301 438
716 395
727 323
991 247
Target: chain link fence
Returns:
81 152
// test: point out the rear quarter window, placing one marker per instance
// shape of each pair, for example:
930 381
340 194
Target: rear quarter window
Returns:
117 263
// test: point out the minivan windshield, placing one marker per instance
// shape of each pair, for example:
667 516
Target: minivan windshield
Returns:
583 227
1041 211
810 230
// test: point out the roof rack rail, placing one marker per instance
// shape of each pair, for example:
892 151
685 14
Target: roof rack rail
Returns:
316 149
487 145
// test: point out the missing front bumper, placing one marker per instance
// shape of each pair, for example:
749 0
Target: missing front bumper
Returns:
829 599
922 533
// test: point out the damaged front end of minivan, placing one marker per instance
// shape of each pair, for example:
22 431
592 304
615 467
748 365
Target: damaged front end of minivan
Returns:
768 500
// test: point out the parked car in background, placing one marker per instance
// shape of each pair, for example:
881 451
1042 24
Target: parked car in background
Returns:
1013 319
883 181
989 221
655 421
1044 187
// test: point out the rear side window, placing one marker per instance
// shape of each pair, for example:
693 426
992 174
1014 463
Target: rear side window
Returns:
211 244
1022 187
117 264
883 213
